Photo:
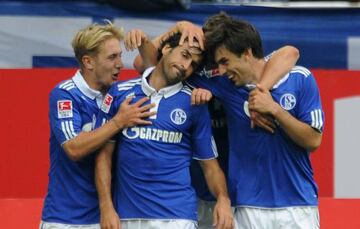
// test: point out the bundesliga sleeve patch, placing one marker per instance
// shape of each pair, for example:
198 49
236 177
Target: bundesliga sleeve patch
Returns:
210 73
105 106
65 109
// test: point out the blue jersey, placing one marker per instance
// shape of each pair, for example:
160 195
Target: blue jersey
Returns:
269 170
152 178
71 196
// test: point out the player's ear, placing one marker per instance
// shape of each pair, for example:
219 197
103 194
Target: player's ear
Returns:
87 62
248 53
166 49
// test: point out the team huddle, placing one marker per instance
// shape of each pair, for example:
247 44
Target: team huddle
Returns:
141 153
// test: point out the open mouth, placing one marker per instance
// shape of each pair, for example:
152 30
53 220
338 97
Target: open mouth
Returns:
115 76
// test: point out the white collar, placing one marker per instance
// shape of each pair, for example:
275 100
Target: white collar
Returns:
84 87
166 91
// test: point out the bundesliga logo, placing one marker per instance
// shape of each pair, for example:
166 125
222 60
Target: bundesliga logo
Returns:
209 73
64 108
107 103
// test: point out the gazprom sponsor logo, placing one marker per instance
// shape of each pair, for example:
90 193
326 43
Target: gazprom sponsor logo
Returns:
152 134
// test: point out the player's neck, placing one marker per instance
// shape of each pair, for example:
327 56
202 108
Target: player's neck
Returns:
156 79
92 83
258 69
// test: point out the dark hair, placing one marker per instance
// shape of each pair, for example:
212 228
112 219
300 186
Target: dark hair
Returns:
172 41
236 35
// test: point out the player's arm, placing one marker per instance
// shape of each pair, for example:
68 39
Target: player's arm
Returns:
148 55
204 150
109 218
137 39
215 180
300 132
128 115
279 64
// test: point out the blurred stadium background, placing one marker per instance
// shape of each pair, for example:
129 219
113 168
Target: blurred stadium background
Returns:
35 54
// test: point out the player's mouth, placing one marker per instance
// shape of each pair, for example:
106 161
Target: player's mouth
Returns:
115 76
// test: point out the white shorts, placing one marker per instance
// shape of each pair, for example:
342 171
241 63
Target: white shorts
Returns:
280 218
158 224
205 213
46 225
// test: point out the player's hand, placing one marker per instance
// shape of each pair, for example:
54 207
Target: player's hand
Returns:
264 121
260 100
192 32
134 39
222 215
134 114
200 96
109 219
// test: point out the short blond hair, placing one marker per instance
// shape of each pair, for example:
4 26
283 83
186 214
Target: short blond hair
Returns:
88 40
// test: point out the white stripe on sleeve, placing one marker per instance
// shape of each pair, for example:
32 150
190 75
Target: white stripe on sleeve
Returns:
64 130
72 129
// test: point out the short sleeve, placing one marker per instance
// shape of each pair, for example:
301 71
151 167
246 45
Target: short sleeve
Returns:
310 109
202 81
64 115
203 144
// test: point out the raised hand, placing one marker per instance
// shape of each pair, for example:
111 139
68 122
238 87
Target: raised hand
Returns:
134 39
191 32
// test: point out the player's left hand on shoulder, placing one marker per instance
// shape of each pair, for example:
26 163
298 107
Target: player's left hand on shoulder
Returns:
223 216
200 96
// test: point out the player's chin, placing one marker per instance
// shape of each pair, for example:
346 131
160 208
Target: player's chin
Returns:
176 80
110 82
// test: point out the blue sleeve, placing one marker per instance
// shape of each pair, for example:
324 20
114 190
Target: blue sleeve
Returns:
203 143
201 81
310 110
64 115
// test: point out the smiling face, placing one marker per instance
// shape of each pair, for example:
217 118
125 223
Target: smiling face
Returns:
107 63
179 63
237 68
